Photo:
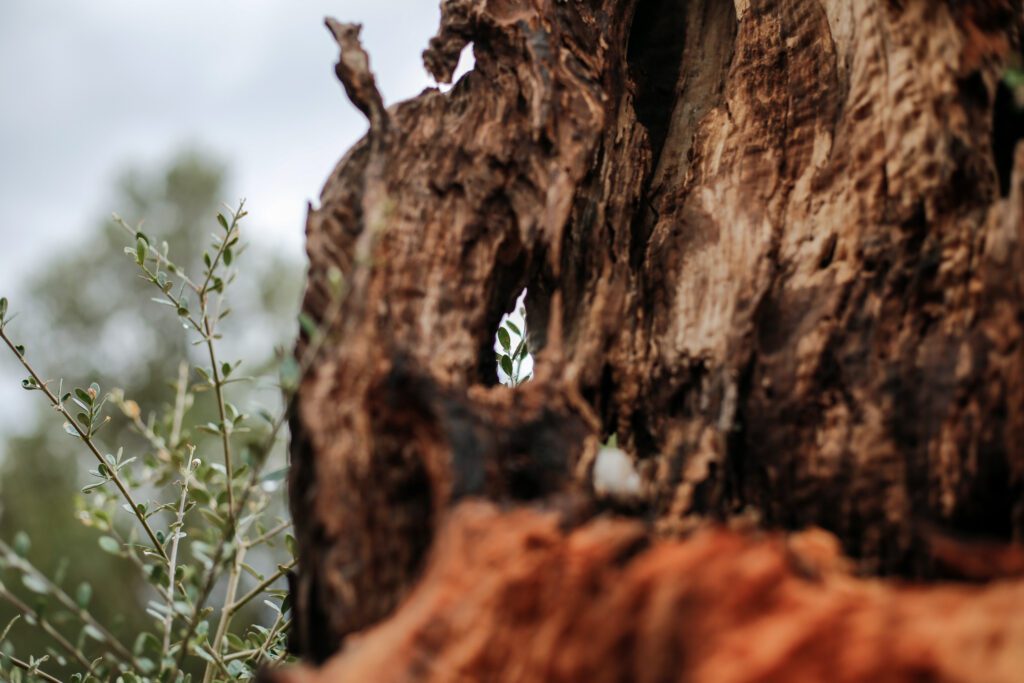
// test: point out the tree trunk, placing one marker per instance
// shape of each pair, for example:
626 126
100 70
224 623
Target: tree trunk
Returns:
765 244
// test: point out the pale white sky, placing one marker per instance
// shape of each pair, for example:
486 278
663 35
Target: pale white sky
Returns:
88 87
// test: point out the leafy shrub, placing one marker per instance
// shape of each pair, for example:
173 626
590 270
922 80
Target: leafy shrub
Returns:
188 521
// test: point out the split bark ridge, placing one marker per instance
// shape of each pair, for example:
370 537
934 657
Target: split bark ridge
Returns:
764 243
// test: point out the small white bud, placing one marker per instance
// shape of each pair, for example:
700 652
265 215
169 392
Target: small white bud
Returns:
615 476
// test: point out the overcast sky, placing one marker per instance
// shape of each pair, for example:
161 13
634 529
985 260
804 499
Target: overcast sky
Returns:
87 88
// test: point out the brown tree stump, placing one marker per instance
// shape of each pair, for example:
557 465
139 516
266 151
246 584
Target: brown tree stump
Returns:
766 243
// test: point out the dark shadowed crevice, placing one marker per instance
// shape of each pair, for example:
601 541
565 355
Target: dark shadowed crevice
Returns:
540 286
507 280
656 43
1007 131
680 53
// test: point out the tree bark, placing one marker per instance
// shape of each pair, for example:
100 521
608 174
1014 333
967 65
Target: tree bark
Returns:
765 244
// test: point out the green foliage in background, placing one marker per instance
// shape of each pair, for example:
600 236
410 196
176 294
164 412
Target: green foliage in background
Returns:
512 350
88 573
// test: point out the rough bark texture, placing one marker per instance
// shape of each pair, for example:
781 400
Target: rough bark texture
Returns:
765 244
510 597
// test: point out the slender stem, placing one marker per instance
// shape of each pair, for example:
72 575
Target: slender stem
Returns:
226 613
172 564
241 654
225 432
264 585
235 216
218 660
87 438
25 666
264 537
145 569
179 405
46 627
284 650
160 258
207 332
308 358
279 622
176 302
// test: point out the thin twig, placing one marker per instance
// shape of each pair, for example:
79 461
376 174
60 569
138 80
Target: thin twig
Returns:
112 644
34 617
266 536
85 436
160 258
309 357
21 664
225 434
226 612
276 628
179 405
264 585
172 564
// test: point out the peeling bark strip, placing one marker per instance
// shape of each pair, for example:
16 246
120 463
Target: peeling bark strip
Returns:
764 244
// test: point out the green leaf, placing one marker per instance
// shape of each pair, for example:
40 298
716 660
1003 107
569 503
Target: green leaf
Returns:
228 257
110 545
35 584
289 372
22 543
512 326
3 307
275 475
252 571
140 250
61 572
236 668
1014 78
223 221
83 595
503 337
518 353
93 633
506 365
144 640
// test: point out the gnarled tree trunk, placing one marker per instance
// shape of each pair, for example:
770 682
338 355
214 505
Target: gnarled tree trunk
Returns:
765 244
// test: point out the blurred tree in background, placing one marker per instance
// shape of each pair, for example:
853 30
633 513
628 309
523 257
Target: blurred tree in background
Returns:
88 317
